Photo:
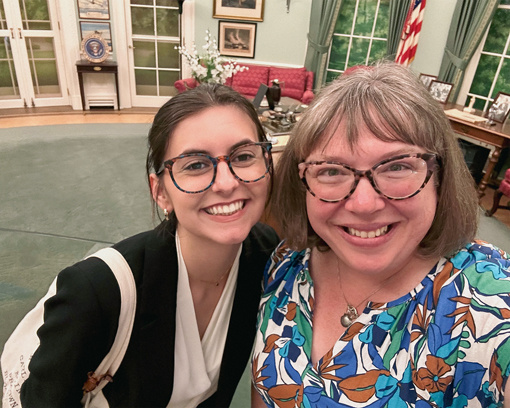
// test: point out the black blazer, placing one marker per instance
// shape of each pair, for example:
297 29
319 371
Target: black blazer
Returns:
81 322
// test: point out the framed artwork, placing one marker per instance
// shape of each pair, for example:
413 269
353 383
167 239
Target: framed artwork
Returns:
95 9
237 39
500 107
440 91
252 10
99 28
427 79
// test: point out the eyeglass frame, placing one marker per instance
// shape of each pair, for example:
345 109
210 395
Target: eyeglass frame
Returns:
432 160
167 164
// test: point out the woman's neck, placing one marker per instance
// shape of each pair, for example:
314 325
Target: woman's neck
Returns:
206 260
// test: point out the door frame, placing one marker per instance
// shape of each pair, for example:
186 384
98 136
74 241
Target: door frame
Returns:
21 60
122 30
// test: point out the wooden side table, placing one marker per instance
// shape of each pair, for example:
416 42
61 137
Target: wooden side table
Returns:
84 66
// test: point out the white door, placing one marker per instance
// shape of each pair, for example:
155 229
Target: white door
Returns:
31 60
154 30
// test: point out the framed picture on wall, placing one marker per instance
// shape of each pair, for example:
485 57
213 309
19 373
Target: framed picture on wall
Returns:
99 28
252 10
427 79
440 91
95 9
500 107
237 39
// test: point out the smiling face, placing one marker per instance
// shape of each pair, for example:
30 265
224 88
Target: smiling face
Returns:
368 232
224 213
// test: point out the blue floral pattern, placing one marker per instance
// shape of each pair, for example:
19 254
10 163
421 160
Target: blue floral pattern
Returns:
444 344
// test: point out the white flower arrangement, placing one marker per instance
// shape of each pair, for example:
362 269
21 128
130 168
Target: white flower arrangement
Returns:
209 67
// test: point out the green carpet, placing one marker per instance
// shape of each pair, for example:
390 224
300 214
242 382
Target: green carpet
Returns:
68 190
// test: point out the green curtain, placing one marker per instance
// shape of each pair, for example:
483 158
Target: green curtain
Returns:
398 13
469 24
322 24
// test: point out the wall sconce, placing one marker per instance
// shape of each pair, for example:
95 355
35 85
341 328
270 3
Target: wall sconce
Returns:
288 6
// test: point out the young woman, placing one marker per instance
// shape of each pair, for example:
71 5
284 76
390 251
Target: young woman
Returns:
197 274
379 296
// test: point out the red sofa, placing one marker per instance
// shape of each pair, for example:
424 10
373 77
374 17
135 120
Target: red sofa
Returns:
296 83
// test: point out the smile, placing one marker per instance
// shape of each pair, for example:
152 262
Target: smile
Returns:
368 234
225 209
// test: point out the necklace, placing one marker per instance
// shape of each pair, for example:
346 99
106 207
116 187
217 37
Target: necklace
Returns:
217 282
351 313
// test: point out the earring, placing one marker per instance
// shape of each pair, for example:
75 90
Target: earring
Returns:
165 213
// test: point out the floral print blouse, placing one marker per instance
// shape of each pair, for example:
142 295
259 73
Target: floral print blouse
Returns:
444 344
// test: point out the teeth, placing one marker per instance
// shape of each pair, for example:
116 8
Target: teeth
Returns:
225 209
368 234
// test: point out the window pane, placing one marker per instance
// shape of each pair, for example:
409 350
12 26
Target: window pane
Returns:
338 54
498 33
381 27
167 3
378 50
503 82
167 22
166 83
40 47
144 54
142 21
168 56
43 66
330 75
143 2
8 81
484 76
345 17
359 52
3 22
365 18
35 15
145 82
45 78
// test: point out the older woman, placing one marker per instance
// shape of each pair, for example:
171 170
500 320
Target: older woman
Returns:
379 296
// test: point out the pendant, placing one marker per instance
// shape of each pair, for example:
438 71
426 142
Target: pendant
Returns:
349 316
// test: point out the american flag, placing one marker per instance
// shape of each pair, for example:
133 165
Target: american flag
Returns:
410 33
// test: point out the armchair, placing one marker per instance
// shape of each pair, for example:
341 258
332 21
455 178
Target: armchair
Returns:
503 190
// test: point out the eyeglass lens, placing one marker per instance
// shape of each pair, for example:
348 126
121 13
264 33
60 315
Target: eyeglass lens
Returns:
196 172
398 178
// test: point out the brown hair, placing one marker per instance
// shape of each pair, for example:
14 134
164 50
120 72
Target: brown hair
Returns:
392 104
185 105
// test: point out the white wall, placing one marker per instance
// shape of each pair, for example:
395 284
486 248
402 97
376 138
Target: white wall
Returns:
433 35
281 37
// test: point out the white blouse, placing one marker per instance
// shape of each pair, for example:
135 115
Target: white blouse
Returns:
197 362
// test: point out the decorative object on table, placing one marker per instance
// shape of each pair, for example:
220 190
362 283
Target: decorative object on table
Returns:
209 67
427 79
237 39
94 9
470 108
440 90
94 48
499 109
99 28
252 10
276 91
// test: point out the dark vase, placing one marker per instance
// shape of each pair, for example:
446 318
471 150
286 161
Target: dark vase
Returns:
276 91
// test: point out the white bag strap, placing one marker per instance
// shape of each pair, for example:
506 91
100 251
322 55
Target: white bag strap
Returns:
108 367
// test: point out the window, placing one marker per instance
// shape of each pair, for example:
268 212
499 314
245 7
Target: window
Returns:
360 35
493 71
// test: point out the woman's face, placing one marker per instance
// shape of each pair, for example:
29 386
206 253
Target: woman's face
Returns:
226 211
368 232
